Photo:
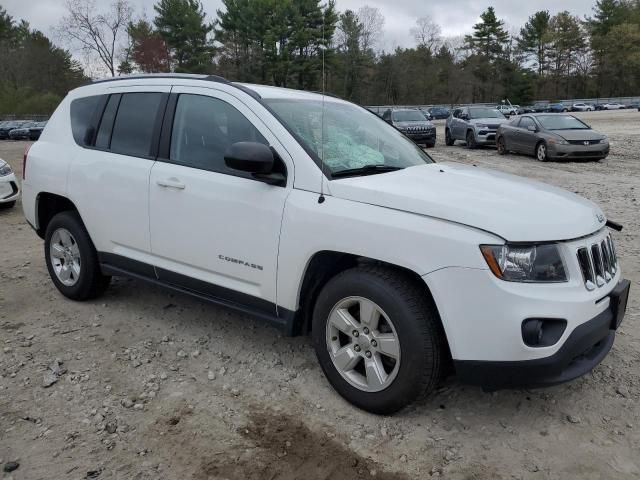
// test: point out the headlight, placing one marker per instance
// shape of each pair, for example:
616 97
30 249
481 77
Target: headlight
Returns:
559 141
5 170
525 263
482 126
604 140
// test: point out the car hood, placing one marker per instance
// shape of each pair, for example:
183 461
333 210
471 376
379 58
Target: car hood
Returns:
514 208
579 134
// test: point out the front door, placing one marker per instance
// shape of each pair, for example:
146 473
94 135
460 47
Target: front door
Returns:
216 230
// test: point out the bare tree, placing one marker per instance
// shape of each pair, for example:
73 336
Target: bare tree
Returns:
372 26
99 34
428 34
457 47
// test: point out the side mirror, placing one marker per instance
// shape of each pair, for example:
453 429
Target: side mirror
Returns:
464 116
255 158
532 128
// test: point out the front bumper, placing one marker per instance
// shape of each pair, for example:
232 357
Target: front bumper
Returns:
486 137
576 152
583 350
422 138
483 319
9 189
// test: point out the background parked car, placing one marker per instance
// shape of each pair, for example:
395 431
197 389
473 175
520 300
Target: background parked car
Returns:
613 106
22 132
474 125
11 125
507 110
413 123
36 130
526 109
552 137
426 113
556 108
582 107
439 113
9 188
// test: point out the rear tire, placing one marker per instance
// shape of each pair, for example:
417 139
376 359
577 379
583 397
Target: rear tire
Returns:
72 259
448 139
502 147
361 371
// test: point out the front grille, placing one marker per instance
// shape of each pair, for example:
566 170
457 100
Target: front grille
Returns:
584 142
598 263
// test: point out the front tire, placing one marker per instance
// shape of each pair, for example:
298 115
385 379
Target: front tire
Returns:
542 152
7 205
72 259
378 338
471 140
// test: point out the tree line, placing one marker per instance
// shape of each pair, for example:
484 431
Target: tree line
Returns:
34 74
290 43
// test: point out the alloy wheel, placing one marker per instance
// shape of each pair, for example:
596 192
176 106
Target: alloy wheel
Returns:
363 344
65 257
542 152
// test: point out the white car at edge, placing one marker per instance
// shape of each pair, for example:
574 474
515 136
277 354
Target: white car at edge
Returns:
9 186
395 265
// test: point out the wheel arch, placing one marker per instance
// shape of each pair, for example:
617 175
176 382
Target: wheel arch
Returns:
47 206
325 265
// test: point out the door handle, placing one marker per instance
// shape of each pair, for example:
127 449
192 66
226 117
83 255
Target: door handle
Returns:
171 183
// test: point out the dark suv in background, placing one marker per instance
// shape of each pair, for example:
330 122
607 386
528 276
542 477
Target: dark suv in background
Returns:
413 123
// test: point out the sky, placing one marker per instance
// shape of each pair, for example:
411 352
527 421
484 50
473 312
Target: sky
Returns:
456 17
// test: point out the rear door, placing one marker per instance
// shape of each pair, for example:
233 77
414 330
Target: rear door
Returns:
215 230
109 178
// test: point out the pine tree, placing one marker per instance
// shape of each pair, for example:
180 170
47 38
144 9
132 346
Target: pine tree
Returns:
534 41
182 25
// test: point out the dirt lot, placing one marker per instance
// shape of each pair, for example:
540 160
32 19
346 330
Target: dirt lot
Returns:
154 385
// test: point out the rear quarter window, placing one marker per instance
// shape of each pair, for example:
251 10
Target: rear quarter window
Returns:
82 113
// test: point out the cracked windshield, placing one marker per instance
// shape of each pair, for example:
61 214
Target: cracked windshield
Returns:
353 137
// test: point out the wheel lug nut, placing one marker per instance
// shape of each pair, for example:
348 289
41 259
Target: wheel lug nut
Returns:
357 348
366 331
374 343
356 333
367 354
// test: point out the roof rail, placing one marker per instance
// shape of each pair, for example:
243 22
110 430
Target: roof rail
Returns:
186 76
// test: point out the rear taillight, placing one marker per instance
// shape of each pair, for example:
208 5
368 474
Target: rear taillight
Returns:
24 162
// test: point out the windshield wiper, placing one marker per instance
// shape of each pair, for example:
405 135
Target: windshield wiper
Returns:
366 170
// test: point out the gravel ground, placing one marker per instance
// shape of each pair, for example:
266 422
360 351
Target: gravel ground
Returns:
145 384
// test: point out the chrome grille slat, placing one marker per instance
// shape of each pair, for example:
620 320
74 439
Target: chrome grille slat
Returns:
598 262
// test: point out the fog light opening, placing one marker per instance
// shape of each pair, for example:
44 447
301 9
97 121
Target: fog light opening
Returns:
542 332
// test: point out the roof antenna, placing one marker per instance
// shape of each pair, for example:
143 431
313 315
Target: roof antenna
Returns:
323 47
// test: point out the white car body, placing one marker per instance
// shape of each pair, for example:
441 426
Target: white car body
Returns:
613 106
9 185
508 110
258 240
582 107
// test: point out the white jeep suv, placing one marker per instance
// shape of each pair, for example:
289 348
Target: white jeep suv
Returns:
317 216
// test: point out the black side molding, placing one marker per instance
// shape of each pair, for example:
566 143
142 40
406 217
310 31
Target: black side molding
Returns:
614 226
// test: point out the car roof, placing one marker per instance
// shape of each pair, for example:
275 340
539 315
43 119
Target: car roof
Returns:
255 90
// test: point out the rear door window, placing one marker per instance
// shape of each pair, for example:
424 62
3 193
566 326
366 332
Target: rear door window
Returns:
134 125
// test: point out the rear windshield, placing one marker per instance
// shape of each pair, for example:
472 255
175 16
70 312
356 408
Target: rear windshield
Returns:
561 122
408 116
